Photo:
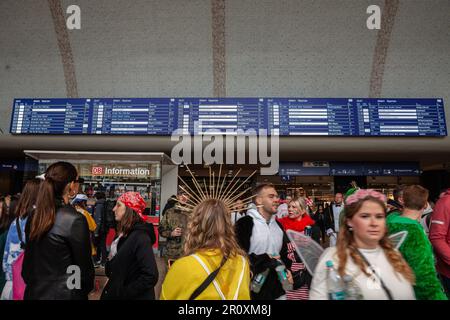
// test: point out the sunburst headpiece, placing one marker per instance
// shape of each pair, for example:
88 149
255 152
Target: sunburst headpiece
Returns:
215 189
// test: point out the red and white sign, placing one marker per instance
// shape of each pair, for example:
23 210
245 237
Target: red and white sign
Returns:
97 170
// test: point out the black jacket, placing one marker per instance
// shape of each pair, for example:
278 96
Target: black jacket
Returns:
46 262
99 216
329 217
320 219
272 288
132 272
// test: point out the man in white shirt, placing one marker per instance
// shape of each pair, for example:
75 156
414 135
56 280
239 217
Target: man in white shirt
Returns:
332 217
263 238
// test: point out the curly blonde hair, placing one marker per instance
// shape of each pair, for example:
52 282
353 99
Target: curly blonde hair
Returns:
346 245
210 227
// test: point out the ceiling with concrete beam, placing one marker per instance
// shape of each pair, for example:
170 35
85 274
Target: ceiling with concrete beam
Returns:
241 48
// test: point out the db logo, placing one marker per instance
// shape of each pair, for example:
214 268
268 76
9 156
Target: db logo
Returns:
97 170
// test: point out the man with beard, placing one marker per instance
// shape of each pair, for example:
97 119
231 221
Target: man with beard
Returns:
262 237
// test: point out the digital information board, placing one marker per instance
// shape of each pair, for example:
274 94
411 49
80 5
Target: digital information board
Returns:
279 116
291 169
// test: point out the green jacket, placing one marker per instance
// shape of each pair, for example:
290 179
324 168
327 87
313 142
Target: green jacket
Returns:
418 253
173 218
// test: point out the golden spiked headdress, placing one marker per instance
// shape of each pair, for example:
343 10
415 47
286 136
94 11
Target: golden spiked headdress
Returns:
215 189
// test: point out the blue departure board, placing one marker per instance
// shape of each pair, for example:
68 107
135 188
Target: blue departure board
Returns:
227 116
279 116
48 116
401 117
317 117
138 116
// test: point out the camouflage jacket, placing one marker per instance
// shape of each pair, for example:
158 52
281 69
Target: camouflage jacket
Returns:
173 218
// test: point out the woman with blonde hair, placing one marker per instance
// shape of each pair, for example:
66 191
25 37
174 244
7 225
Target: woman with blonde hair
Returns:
214 266
365 253
297 220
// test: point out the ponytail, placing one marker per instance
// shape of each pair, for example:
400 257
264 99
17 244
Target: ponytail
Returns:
57 176
45 212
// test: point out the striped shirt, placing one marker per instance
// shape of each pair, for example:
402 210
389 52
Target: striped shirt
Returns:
300 293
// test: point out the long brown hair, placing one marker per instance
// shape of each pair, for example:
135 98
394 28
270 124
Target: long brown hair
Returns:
6 216
129 219
346 245
57 177
210 227
28 197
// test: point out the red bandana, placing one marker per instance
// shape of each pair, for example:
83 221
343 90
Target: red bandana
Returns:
134 201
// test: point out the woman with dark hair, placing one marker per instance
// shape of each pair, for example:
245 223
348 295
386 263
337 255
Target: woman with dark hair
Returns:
364 255
319 218
57 263
131 266
210 245
15 241
8 206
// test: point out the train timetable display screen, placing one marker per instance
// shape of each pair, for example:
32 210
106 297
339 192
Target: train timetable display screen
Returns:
278 116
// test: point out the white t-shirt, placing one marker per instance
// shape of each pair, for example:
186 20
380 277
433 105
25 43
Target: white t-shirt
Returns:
336 214
370 287
235 216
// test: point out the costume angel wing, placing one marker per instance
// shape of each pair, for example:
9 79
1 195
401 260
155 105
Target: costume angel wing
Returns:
398 238
308 250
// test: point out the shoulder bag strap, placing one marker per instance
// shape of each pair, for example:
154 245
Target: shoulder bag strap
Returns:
383 285
208 280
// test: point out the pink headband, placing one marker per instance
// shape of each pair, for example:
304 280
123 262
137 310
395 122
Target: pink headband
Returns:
364 193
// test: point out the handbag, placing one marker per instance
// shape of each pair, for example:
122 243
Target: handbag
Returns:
18 287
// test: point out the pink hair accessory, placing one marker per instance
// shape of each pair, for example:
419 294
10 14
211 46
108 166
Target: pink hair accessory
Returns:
364 193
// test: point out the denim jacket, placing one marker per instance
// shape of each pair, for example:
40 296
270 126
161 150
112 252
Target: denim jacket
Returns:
12 247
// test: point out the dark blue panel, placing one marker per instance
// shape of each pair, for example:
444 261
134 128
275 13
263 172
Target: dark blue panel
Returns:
132 116
401 169
347 169
12 166
286 178
280 116
226 115
297 169
401 117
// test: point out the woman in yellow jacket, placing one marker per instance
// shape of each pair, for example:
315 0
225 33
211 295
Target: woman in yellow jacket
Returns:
210 244
79 202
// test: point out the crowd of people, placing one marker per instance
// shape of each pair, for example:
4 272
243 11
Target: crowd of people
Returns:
223 248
